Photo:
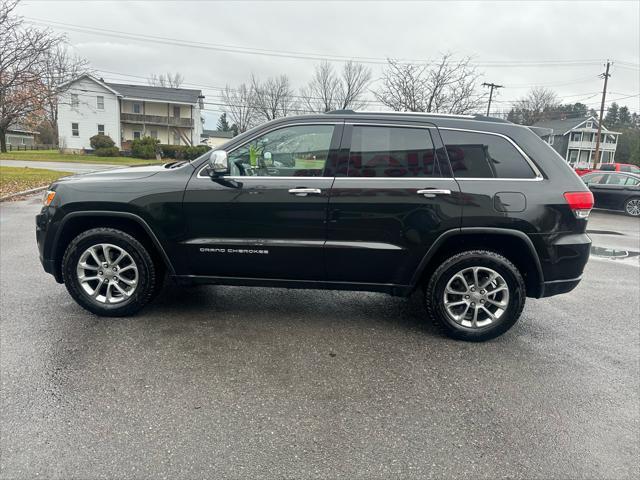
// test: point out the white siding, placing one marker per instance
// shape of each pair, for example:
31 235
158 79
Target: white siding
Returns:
87 115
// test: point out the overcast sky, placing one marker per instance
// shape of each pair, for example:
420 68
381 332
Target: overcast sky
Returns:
499 36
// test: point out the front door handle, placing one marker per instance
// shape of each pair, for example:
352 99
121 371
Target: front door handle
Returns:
303 192
432 192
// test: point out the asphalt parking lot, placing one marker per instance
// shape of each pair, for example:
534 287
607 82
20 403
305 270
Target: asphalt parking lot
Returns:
229 382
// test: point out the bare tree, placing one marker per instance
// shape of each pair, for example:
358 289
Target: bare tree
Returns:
169 80
272 98
327 91
404 87
539 103
321 94
239 104
356 77
447 86
60 66
23 51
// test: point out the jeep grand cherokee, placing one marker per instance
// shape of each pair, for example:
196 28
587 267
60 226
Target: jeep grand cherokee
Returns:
476 212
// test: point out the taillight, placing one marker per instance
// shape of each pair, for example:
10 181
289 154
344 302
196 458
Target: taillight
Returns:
580 203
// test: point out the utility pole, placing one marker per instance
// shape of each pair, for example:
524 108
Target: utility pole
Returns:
491 86
596 154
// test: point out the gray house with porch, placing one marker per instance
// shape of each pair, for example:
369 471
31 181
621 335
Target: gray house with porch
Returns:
575 140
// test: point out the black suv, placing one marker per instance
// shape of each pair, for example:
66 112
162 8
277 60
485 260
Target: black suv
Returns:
478 212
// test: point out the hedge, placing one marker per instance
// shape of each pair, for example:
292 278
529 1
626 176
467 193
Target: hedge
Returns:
183 152
107 152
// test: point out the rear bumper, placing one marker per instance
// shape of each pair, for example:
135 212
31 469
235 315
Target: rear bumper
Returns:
556 287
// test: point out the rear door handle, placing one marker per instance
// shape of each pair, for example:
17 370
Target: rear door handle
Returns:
432 192
303 192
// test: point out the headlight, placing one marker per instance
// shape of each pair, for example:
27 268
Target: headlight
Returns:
48 197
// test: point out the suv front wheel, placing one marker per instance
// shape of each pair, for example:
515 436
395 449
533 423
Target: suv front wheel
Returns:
109 273
475 295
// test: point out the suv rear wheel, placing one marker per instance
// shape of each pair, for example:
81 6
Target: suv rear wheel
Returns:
109 273
475 295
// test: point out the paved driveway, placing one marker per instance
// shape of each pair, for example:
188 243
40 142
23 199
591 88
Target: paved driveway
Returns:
229 382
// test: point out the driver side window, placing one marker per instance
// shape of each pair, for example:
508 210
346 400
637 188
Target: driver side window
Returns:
296 151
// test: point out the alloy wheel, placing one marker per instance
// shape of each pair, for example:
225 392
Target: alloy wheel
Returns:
476 297
633 207
107 273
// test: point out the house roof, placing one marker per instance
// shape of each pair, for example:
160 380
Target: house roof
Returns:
563 126
217 134
182 95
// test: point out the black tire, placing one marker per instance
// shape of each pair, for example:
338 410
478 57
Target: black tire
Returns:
149 278
630 211
435 293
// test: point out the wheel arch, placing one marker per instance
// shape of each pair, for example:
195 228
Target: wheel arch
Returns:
77 222
506 242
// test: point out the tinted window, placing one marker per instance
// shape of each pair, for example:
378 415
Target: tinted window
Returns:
616 179
480 155
592 178
608 167
298 151
392 152
632 181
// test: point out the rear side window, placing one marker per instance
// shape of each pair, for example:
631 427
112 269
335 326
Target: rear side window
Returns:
382 151
480 155
608 167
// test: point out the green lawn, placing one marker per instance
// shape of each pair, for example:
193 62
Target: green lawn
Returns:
17 179
56 156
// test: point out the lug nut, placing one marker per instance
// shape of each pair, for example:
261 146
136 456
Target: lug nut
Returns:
473 304
466 296
482 292
106 280
100 272
473 289
105 264
481 301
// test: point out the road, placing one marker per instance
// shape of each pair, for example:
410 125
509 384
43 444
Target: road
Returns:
229 382
59 166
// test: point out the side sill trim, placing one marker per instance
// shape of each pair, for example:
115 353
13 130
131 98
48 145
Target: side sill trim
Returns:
391 288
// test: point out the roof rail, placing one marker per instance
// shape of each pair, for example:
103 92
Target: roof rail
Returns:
425 114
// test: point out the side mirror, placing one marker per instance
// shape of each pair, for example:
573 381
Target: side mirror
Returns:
218 163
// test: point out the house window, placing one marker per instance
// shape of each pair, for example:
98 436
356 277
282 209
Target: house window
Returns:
176 112
576 136
573 156
100 129
74 100
75 129
100 102
589 124
551 139
153 134
137 135
22 140
137 108
176 139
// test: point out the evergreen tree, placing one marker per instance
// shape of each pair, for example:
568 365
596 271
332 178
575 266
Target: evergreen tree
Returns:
223 124
624 118
611 118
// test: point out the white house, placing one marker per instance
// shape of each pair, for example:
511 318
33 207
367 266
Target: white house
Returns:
575 140
215 138
88 106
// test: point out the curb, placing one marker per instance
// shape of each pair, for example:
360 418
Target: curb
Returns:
24 192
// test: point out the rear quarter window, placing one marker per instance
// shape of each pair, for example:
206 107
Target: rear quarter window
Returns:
482 155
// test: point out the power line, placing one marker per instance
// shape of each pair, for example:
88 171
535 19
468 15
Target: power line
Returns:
286 53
